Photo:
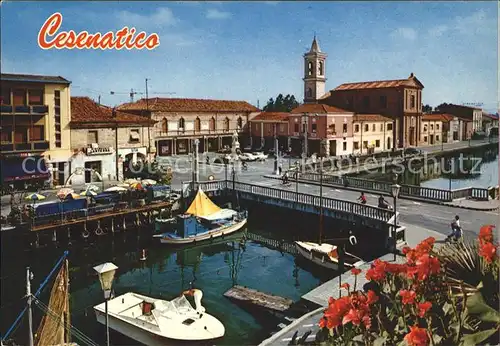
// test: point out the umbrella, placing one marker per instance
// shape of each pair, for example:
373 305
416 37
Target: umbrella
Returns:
88 193
149 182
131 181
34 197
137 186
62 193
116 189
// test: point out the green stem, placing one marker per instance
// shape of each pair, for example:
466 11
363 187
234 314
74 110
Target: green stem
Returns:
429 327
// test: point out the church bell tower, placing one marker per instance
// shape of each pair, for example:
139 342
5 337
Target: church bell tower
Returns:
314 73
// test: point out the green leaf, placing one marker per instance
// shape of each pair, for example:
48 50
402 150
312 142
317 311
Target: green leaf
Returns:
477 306
447 308
437 339
477 338
380 341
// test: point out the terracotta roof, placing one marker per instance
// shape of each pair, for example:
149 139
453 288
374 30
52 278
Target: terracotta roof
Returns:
369 117
393 83
452 105
33 78
85 111
318 108
271 116
438 117
490 116
189 105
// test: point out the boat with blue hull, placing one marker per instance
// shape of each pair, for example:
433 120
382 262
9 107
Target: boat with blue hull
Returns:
203 220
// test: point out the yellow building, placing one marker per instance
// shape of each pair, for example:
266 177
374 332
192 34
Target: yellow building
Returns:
35 113
432 128
371 133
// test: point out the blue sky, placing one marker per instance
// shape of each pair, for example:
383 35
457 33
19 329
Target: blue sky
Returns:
253 50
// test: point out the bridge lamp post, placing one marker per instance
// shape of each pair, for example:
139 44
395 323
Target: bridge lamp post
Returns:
297 179
395 194
106 273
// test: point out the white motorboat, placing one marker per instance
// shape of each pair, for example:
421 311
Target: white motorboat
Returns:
326 255
153 321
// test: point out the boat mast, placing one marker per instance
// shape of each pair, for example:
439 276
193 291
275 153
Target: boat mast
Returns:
30 315
320 200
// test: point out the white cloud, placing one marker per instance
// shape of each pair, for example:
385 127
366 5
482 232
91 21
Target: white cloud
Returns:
161 17
438 30
476 23
406 33
216 14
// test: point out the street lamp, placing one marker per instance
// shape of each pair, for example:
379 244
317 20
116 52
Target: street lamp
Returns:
297 163
106 272
395 194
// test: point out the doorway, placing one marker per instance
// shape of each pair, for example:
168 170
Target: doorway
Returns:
95 165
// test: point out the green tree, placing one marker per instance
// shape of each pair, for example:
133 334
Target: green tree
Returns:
441 106
427 109
281 104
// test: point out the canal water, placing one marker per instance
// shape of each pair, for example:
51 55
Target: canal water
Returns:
474 169
164 274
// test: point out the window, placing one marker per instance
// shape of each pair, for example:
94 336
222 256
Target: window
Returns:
432 126
296 127
412 101
377 143
425 138
197 124
344 146
367 128
57 117
332 128
57 98
239 123
314 126
21 134
134 136
226 124
374 128
35 97
212 124
19 98
181 124
437 126
355 145
383 102
37 133
344 128
164 125
310 68
356 128
5 98
425 128
437 137
366 102
381 127
321 68
282 128
365 144
389 127
92 137
309 92
6 134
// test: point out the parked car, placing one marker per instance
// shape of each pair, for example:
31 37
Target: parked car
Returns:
412 151
247 157
260 156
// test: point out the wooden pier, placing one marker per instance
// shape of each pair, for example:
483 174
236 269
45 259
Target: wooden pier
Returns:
263 300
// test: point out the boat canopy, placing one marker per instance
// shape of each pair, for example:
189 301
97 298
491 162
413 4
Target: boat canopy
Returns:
220 215
202 206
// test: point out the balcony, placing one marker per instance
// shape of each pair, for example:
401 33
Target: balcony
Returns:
99 151
39 109
34 146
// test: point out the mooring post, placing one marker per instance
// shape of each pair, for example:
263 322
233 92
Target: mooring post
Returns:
69 235
124 223
112 225
54 236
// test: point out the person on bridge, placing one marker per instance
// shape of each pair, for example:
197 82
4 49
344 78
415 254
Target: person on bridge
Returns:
382 203
285 178
208 160
456 229
362 198
244 165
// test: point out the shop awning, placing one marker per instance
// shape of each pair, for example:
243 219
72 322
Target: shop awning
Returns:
24 168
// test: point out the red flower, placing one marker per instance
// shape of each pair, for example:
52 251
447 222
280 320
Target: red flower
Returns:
377 271
486 233
426 266
356 317
345 285
488 251
372 297
336 310
355 271
417 337
423 308
408 296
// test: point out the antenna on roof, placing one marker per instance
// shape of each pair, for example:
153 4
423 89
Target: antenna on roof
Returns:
258 104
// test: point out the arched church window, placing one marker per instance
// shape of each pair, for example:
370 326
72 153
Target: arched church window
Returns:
197 124
181 124
164 125
226 124
212 124
320 68
309 92
240 123
310 68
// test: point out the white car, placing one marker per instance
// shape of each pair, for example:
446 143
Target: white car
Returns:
247 157
260 156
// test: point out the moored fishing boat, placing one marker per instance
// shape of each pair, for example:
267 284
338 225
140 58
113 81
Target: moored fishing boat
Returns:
326 255
203 220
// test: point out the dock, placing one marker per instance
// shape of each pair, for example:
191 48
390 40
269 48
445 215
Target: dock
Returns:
260 299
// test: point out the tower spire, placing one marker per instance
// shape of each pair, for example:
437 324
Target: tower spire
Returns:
315 46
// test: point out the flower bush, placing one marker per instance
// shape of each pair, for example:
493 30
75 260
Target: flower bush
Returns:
446 296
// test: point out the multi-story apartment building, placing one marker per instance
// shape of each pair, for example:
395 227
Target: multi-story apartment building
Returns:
490 121
320 129
105 141
269 125
35 113
371 133
474 114
435 128
181 121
